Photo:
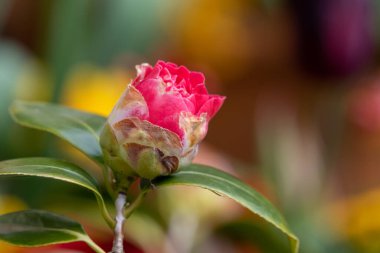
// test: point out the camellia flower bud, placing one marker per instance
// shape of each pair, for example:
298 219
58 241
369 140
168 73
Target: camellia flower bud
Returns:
158 122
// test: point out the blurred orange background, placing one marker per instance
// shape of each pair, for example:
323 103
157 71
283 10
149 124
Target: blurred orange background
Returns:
301 122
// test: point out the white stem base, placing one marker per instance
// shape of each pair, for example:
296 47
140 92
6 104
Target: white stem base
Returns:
118 240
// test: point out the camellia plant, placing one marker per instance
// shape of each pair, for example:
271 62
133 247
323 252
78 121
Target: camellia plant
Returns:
149 139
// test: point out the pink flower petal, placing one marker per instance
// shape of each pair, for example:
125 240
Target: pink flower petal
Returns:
212 106
164 107
197 81
131 104
198 100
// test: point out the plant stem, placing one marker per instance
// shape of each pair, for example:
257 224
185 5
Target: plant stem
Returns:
104 212
123 211
108 181
130 208
94 246
118 240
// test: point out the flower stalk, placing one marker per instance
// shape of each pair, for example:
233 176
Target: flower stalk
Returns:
120 203
130 208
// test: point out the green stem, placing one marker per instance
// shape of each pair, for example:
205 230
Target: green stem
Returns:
106 216
108 182
130 208
93 245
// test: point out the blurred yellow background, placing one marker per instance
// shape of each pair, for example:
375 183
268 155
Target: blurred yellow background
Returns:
301 122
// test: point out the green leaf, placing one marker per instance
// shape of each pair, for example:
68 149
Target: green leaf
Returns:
55 169
37 228
79 128
227 185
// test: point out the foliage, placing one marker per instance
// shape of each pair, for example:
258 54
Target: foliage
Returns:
82 131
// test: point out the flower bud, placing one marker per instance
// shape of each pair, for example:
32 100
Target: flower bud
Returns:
158 122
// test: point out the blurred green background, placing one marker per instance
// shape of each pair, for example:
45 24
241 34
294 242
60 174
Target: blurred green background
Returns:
301 122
